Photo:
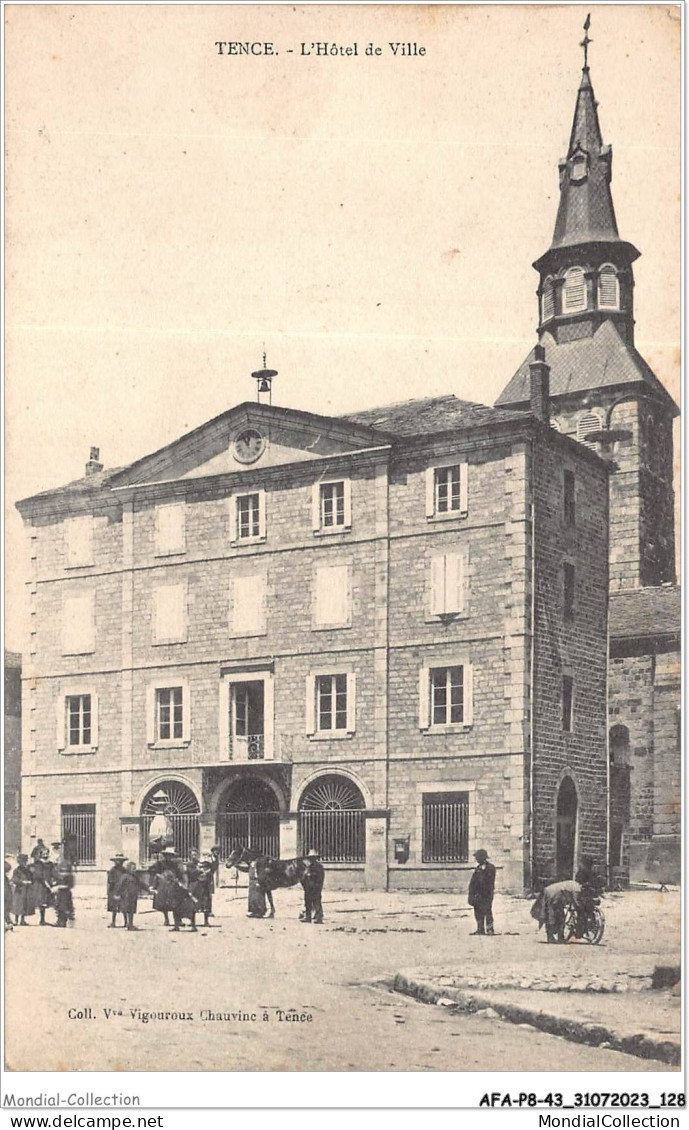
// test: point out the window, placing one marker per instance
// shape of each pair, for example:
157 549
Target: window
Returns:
170 614
331 704
79 541
445 696
608 288
569 587
78 828
569 499
170 532
332 819
168 714
567 702
547 300
332 596
579 165
77 720
78 624
574 292
446 490
445 827
332 506
248 516
447 583
169 724
248 601
587 425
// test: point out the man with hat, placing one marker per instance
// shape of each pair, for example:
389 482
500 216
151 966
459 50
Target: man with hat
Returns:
22 898
481 888
312 882
112 888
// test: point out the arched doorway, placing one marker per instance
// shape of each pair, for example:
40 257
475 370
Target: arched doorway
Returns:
332 820
178 803
566 834
249 816
620 792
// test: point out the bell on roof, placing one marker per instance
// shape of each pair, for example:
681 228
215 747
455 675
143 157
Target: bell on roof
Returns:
264 380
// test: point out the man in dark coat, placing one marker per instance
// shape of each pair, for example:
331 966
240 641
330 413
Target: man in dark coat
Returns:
481 888
312 882
62 890
38 850
43 872
201 889
128 894
112 884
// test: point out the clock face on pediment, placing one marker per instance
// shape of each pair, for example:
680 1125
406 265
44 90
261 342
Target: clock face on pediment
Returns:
248 445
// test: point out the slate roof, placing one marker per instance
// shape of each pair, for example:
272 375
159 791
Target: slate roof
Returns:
646 612
77 488
601 361
429 415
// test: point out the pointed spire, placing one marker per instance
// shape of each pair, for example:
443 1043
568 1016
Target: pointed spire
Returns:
586 213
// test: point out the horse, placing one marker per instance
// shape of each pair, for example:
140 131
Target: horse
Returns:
271 873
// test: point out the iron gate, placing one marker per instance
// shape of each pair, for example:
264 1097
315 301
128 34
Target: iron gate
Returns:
185 829
339 836
445 828
259 831
79 832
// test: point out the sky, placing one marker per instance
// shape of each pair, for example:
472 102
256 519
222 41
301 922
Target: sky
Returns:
369 220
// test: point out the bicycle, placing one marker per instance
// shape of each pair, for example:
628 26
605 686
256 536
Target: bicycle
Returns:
585 924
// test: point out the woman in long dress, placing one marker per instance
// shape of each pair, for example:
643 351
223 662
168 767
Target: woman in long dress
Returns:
257 898
22 899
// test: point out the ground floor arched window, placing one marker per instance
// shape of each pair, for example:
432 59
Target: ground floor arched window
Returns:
332 820
170 812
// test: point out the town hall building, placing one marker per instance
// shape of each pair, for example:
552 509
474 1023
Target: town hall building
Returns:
383 635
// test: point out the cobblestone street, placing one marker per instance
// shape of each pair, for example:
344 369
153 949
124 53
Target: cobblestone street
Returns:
91 986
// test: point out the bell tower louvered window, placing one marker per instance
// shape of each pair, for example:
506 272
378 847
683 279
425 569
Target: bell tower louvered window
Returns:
547 300
587 425
608 288
574 291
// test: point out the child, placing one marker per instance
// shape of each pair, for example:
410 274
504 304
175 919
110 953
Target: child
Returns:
128 895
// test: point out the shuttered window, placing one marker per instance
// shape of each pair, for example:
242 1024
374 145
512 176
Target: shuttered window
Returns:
608 288
574 292
547 300
447 583
78 627
248 600
170 536
587 425
79 541
169 614
331 597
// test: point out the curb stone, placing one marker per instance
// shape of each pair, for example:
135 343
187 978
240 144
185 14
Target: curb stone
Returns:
577 1031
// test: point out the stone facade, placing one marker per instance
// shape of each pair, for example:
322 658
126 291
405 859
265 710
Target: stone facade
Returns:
12 750
393 759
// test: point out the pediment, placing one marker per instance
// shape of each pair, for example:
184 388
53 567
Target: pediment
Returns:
248 437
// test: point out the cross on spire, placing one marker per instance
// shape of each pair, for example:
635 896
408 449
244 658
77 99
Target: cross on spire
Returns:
585 41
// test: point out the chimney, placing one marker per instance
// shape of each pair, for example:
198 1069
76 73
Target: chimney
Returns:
539 386
93 466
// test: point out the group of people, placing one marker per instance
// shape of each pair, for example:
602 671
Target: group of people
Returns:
549 908
181 889
43 880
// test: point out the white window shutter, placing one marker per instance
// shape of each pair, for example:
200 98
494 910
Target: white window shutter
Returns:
233 517
463 488
61 737
169 611
332 595
310 704
347 502
438 584
454 582
262 513
248 603
351 702
170 532
430 492
150 715
186 713
78 627
468 677
94 719
424 705
79 537
316 506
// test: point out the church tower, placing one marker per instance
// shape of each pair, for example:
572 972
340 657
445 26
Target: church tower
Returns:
602 391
